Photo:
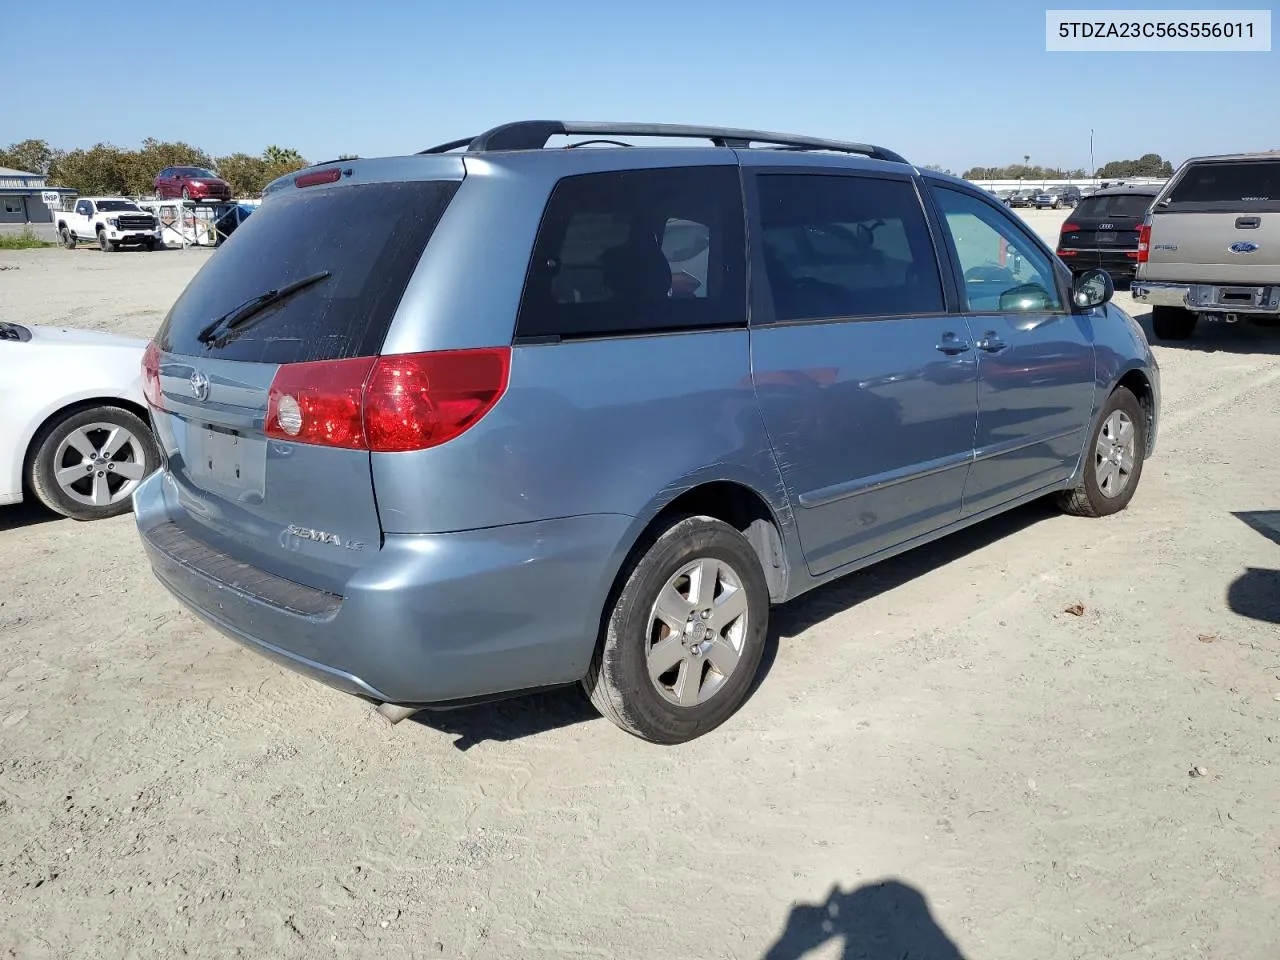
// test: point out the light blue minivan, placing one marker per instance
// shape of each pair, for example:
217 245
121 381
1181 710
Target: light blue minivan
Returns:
517 412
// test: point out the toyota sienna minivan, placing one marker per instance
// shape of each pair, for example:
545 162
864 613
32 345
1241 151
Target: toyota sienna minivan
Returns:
542 407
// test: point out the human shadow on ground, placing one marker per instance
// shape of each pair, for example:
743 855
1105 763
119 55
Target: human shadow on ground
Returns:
889 920
1256 592
525 716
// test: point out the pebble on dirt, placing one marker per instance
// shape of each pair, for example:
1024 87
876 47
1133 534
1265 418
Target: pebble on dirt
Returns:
1076 610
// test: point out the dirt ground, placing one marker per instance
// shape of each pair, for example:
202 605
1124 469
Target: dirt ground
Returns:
940 761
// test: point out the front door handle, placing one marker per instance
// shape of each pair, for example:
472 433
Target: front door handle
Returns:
991 342
951 346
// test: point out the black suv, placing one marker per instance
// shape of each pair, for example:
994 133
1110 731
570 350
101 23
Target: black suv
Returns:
1102 231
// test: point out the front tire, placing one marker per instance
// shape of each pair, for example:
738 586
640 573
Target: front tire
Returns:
685 634
186 194
1112 460
87 464
1172 323
108 246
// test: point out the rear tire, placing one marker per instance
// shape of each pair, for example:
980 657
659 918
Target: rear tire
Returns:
67 239
1172 323
668 685
128 455
186 194
1112 460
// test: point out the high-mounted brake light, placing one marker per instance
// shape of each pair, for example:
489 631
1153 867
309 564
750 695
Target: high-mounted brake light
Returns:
332 175
151 376
1144 242
386 404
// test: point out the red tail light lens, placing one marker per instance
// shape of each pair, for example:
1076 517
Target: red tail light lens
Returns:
151 376
320 402
1070 227
1066 253
386 404
1144 242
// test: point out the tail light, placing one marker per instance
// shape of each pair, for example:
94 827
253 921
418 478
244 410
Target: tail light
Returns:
151 376
386 404
1144 241
332 175
1070 227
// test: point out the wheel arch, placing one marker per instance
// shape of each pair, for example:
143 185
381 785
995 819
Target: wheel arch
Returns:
1137 382
740 504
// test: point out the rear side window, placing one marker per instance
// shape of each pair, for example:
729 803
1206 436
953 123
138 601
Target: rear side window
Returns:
836 246
638 251
1130 205
368 237
1248 186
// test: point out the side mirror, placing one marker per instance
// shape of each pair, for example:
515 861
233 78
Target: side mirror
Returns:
1027 298
1092 289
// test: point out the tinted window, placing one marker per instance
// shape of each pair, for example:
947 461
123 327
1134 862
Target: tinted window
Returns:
1121 205
1002 269
117 205
846 247
636 251
1240 185
369 237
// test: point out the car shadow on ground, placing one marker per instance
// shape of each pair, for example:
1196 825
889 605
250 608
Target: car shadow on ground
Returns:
526 716
889 920
1211 337
25 514
1256 592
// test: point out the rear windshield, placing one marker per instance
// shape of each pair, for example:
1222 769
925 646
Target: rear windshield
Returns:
1246 186
1121 205
368 237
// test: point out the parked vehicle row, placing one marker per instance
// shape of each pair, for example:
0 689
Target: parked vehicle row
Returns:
425 490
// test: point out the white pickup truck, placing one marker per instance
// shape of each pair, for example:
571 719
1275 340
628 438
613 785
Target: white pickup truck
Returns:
110 222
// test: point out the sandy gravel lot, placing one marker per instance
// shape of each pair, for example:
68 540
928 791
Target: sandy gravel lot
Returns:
939 761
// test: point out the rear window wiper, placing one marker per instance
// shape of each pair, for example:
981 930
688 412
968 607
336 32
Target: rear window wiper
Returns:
239 316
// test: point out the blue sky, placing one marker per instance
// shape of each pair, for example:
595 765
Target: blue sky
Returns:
953 83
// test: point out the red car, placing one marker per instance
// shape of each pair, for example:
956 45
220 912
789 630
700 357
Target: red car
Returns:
191 183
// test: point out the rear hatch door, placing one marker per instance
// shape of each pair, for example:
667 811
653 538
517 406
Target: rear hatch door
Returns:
1106 222
339 257
1219 222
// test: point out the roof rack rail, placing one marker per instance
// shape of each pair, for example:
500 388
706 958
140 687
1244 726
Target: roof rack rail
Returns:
534 134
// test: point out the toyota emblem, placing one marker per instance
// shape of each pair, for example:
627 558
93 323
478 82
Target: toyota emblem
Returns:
200 385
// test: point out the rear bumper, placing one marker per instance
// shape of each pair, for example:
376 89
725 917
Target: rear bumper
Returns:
1208 298
431 619
1115 261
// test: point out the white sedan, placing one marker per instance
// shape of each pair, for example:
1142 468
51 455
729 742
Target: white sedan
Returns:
73 428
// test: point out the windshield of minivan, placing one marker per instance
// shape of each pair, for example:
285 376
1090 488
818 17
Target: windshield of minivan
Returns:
367 237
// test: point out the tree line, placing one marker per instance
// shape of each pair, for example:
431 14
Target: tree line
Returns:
108 170
1148 165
